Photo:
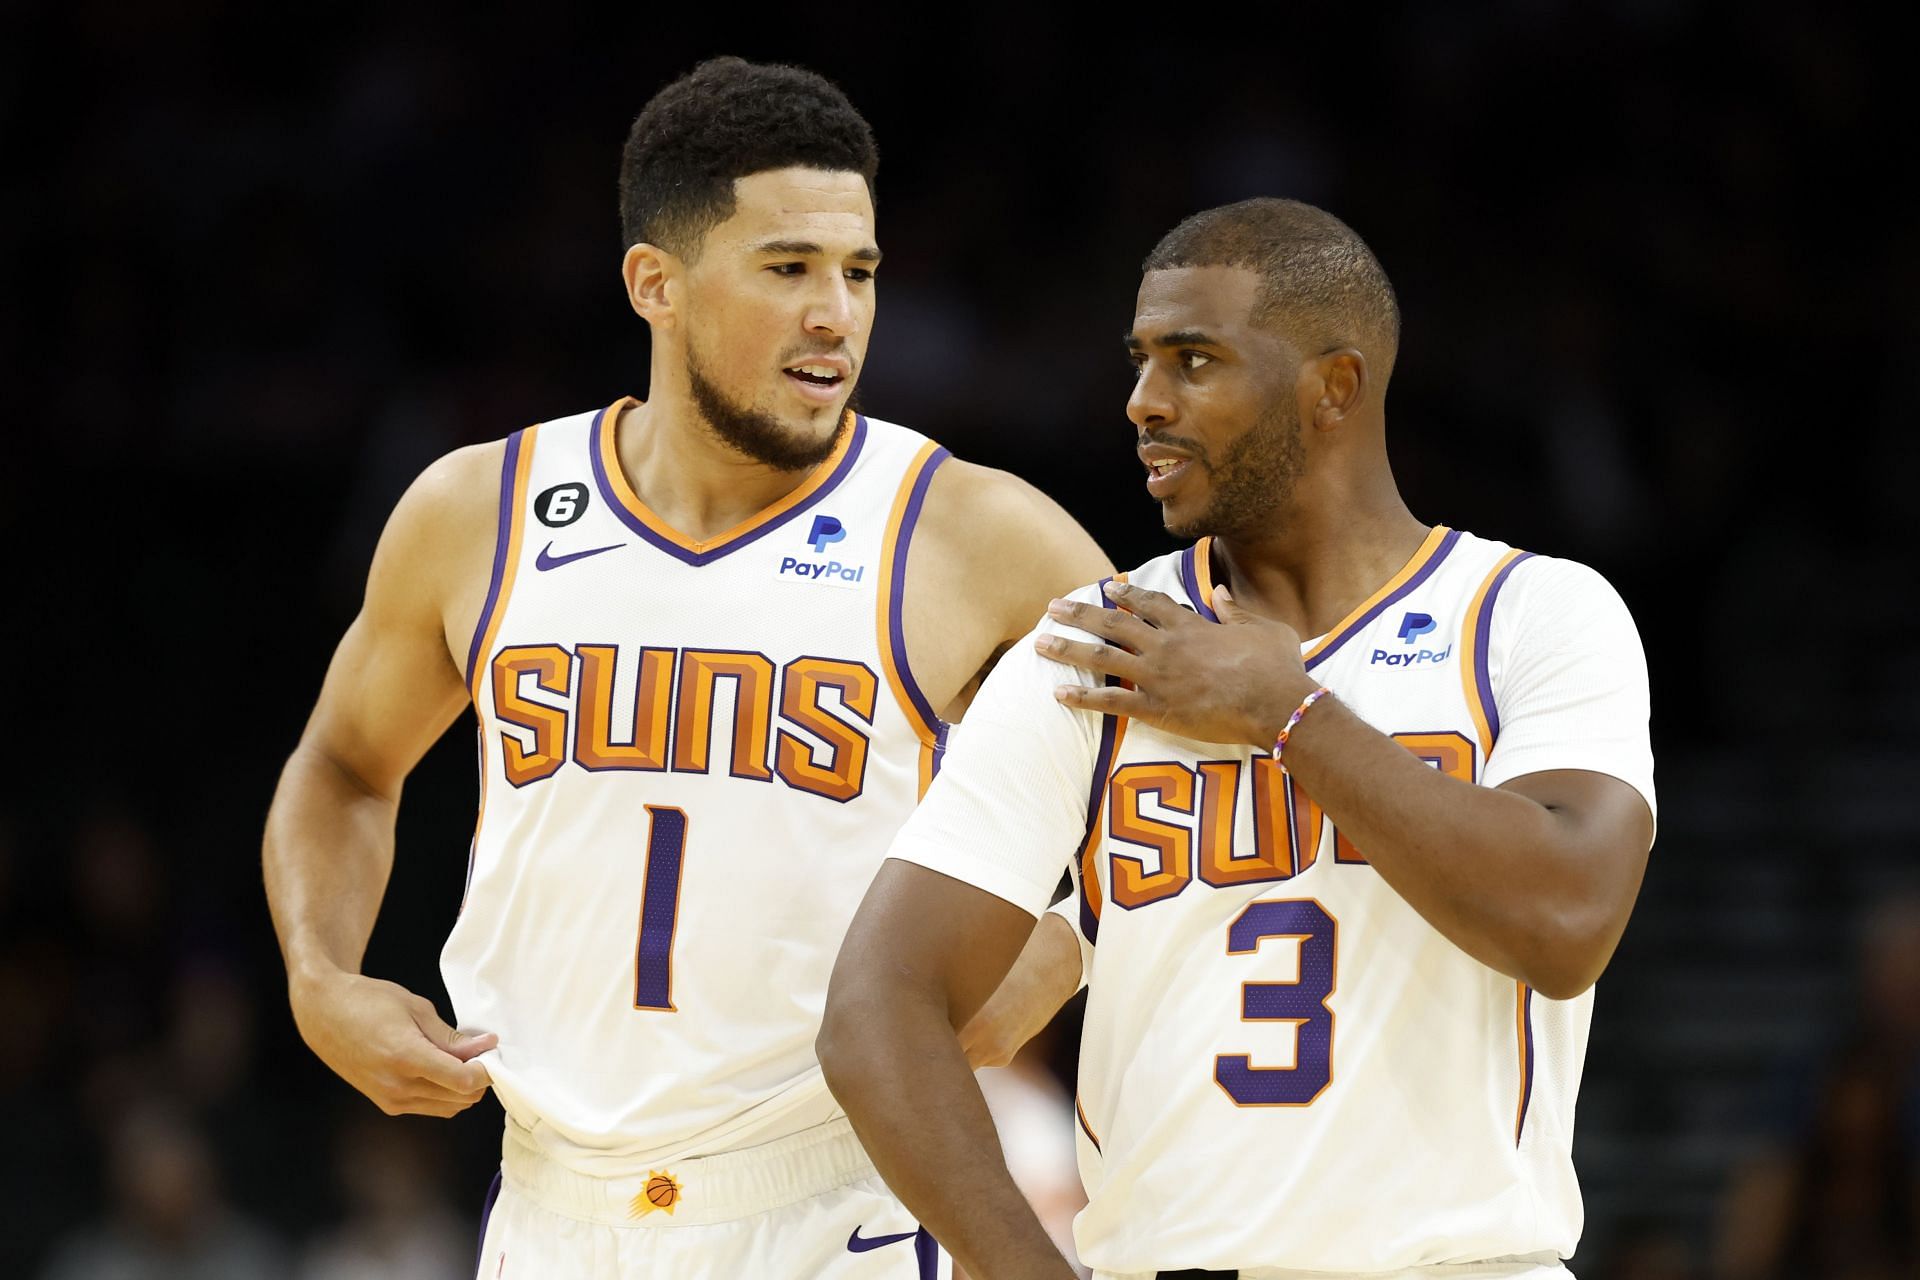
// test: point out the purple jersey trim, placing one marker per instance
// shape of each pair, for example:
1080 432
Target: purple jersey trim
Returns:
1190 579
926 1254
1526 1083
939 747
1102 767
508 466
1360 624
698 558
486 1216
897 596
1482 628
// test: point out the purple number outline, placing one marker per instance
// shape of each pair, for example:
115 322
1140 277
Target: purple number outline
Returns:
1302 1002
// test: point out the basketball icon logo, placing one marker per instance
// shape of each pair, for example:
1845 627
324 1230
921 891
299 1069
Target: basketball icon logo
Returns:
662 1193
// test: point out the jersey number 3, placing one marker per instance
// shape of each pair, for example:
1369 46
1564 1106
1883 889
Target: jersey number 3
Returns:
1303 1002
659 908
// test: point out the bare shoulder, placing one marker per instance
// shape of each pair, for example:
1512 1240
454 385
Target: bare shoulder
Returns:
456 497
990 551
1007 537
436 553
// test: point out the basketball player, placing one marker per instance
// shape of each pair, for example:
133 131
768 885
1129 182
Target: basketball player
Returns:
710 641
1342 900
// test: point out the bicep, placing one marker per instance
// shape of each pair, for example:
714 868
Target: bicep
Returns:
1603 819
931 935
389 693
393 686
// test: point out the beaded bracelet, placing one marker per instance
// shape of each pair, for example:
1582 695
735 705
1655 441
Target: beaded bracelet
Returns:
1293 721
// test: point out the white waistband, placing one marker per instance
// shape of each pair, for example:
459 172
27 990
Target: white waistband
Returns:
694 1192
1543 1266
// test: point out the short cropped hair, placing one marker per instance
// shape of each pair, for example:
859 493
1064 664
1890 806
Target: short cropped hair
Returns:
727 119
1319 282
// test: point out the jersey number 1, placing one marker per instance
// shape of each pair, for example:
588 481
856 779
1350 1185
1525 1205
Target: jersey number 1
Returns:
659 908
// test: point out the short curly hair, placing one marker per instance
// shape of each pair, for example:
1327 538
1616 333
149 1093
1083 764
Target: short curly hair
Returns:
727 119
1319 282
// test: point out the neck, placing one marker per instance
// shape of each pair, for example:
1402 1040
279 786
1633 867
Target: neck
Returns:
1325 555
689 477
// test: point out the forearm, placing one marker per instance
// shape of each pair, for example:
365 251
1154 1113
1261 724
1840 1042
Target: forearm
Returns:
893 1061
326 857
1501 875
1046 976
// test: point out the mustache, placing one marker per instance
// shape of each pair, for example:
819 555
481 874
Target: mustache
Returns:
1187 443
805 353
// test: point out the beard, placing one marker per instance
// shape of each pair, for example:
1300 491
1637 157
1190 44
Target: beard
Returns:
1253 480
760 436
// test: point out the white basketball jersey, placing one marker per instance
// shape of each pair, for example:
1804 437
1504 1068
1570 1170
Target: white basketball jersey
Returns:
1283 1064
692 759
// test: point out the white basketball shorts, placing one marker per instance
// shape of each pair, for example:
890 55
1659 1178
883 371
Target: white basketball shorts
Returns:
806 1206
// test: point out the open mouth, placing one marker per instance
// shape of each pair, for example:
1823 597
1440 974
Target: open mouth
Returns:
816 376
1164 473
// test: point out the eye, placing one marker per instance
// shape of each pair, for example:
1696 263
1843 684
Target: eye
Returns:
1195 359
788 268
859 275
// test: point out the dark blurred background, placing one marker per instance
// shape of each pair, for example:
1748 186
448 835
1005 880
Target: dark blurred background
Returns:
262 264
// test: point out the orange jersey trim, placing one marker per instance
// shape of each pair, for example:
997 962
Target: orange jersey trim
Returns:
889 620
507 542
1436 538
609 451
1203 572
1474 640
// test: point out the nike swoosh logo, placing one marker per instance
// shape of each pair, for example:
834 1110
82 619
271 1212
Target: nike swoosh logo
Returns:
856 1245
547 560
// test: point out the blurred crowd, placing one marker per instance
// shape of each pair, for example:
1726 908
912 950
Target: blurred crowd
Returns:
1656 276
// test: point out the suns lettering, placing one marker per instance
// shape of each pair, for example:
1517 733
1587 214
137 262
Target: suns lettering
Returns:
1194 818
751 674
1171 842
804 681
610 707
642 743
538 750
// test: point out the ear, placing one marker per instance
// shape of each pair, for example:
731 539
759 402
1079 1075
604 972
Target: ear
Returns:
650 273
1343 388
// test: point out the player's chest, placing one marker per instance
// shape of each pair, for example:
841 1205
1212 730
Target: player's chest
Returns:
1175 819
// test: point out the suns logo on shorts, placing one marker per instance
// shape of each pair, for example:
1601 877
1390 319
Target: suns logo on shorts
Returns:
661 1193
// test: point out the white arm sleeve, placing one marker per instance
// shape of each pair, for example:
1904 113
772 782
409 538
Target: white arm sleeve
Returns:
1569 678
1008 810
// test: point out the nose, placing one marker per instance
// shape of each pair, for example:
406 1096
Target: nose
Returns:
832 312
1152 403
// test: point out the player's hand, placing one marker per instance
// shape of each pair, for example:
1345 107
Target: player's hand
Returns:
391 1045
1236 682
1043 978
985 1042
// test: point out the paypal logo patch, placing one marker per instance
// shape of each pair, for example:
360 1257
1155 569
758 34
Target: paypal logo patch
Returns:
1412 627
826 529
825 532
830 572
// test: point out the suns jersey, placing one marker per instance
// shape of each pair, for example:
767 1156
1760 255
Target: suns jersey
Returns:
692 759
1283 1065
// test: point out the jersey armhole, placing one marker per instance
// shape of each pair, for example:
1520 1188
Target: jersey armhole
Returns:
515 467
1475 676
908 503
